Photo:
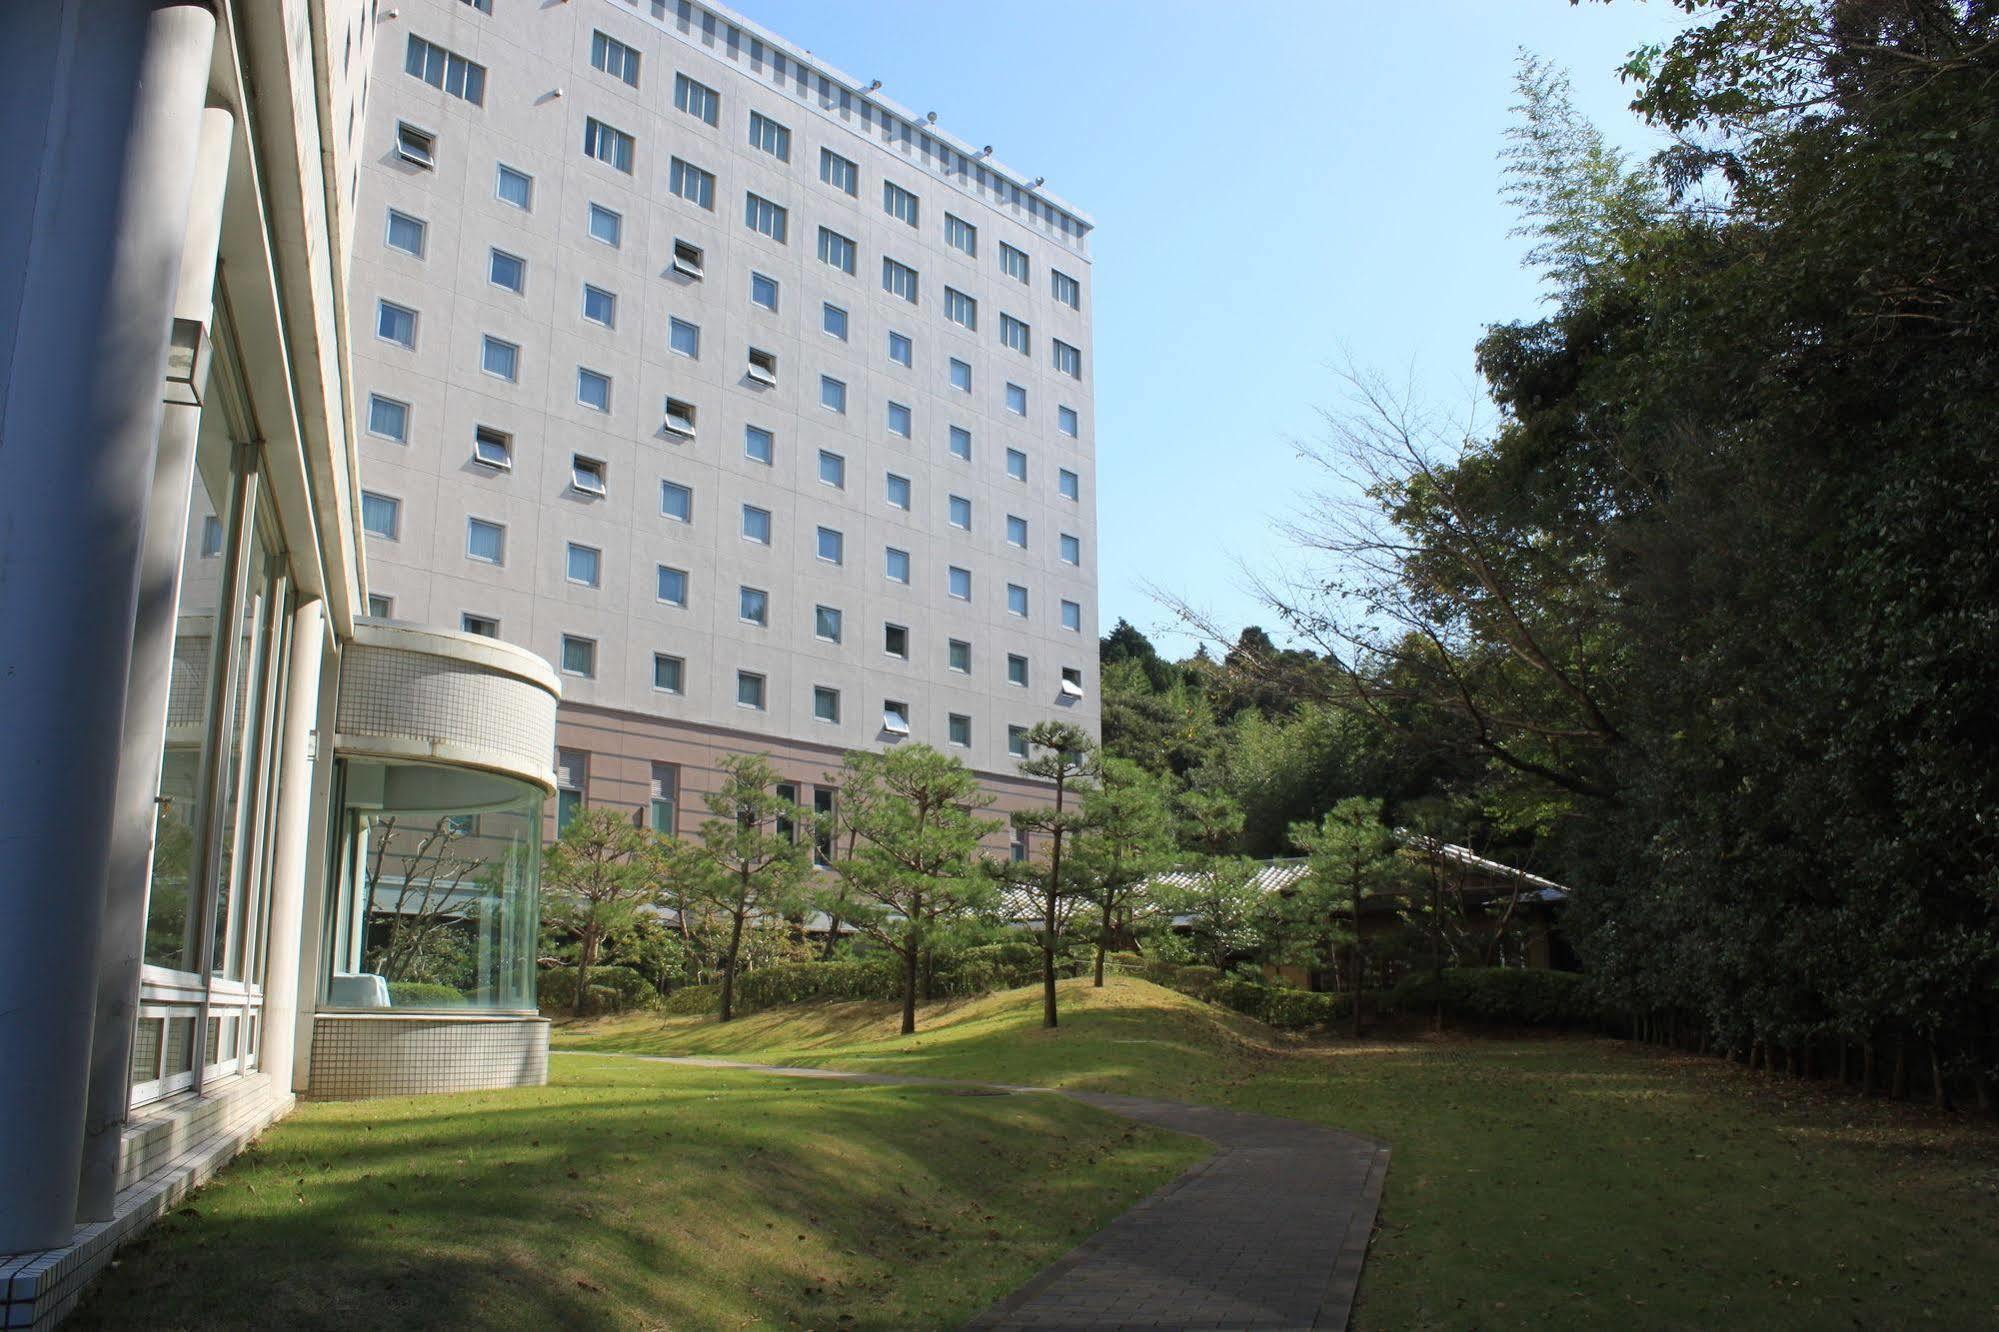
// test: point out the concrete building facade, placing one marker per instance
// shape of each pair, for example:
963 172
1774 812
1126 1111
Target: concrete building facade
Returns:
756 402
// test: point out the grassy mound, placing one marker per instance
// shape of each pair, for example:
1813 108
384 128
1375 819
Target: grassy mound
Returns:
1536 1182
630 1194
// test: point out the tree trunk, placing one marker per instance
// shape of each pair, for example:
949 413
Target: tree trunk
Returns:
586 957
1048 1018
729 964
909 988
1940 1096
1898 1080
1103 945
1867 1066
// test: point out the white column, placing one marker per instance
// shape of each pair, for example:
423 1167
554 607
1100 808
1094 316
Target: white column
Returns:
294 836
123 936
102 101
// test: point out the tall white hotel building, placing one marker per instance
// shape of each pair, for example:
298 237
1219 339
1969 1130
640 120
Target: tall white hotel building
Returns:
757 403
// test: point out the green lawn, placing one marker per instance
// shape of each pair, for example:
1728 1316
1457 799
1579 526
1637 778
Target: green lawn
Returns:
631 1194
1539 1182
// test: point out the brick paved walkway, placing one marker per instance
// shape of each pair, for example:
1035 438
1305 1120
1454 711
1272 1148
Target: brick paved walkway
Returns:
1269 1232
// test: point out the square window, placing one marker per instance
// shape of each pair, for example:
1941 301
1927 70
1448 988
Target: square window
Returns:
1068 360
388 418
485 542
1072 681
494 448
381 515
1016 399
395 323
507 271
600 306
895 717
1069 484
1016 531
585 565
688 260
670 585
763 366
895 641
500 358
958 655
832 394
833 320
759 445
1016 670
1072 616
485 626
756 524
211 537
832 546
1016 464
961 375
679 418
961 443
586 475
901 350
606 226
1016 600
899 203
1016 745
898 420
579 656
515 188
895 489
1014 334
899 280
763 292
959 512
961 309
895 565
415 146
686 181
1066 289
593 390
406 233
1013 262
683 338
696 99
961 235
669 674
608 144
826 623
676 502
770 136
1072 549
764 217
832 469
749 690
960 583
753 606
380 607
837 251
1065 421
839 172
958 730
826 704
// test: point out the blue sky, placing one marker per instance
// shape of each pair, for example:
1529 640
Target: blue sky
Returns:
1311 181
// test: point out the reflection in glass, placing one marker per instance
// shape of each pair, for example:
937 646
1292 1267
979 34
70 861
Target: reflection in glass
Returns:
438 904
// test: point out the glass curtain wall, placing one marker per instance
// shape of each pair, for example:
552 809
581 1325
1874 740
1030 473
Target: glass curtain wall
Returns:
201 997
439 890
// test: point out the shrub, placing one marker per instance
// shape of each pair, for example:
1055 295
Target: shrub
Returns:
797 982
612 990
1527 996
692 1000
423 994
1280 1006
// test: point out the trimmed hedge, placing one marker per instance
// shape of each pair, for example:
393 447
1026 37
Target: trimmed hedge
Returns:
1280 1006
424 994
612 990
797 982
1526 996
692 1001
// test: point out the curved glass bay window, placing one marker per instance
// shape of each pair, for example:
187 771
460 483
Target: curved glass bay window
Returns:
439 883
